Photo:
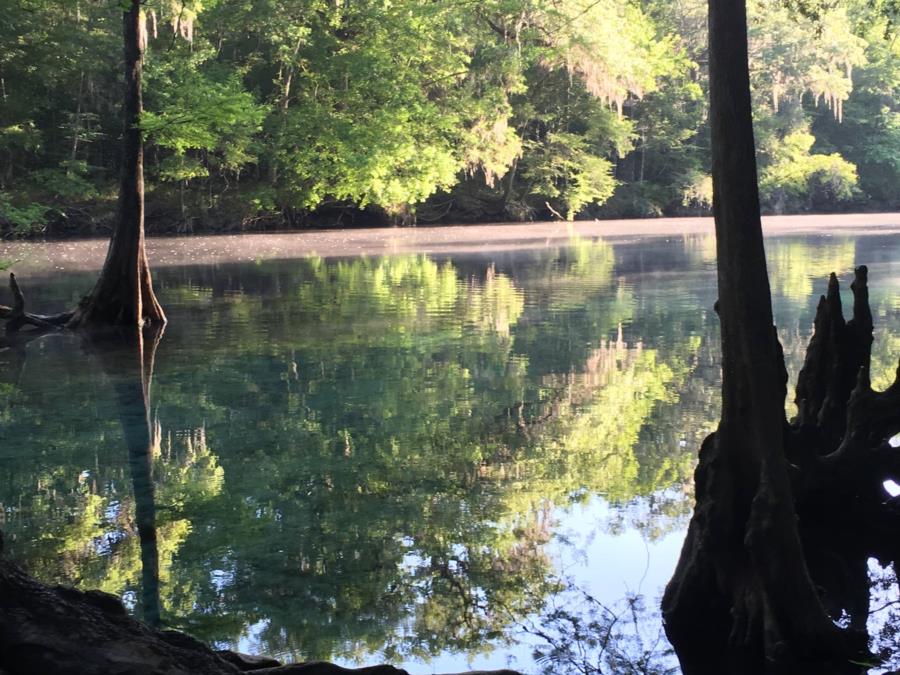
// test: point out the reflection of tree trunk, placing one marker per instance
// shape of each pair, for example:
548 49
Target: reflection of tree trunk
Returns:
742 599
18 355
129 363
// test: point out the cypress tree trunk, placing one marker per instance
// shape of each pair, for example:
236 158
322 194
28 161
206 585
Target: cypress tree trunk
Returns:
742 600
124 294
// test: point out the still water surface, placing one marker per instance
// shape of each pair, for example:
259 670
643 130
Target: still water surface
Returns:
405 458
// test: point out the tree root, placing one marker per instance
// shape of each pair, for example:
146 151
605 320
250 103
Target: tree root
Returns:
732 605
840 440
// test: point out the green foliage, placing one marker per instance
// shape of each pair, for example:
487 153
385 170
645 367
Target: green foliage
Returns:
698 193
799 175
368 112
291 110
201 113
561 169
68 181
786 66
21 221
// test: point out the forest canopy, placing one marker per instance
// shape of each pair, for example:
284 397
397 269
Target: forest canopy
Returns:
281 113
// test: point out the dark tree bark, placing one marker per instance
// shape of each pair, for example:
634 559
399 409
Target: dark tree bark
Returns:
123 295
742 599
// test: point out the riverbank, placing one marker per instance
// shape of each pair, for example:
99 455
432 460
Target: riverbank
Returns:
89 254
65 631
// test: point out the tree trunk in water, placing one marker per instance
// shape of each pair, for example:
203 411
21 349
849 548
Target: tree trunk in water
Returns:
124 294
742 599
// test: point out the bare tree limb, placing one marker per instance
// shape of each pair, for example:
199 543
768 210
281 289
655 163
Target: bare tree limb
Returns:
16 317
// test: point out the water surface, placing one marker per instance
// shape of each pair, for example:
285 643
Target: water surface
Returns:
401 457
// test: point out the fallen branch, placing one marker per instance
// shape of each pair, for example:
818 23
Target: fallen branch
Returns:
16 317
554 211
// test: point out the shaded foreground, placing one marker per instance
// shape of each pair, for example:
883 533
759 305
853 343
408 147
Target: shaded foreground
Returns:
61 630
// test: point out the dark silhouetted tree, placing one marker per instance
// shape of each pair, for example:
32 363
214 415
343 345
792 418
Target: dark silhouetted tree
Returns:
751 593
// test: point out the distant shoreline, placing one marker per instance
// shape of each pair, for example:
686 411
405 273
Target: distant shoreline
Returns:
88 254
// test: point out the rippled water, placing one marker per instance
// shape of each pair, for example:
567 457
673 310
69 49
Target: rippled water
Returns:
403 458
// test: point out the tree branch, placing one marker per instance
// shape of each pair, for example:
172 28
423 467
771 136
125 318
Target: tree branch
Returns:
16 317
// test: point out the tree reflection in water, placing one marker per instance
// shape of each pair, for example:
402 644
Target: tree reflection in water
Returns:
129 364
579 635
367 456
